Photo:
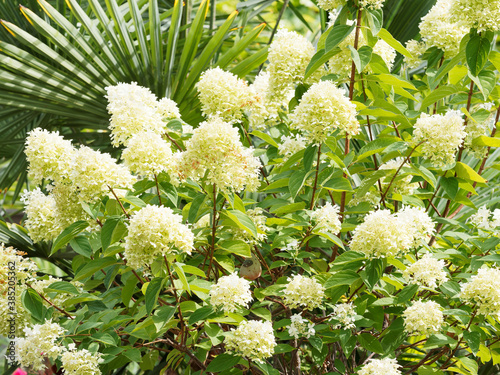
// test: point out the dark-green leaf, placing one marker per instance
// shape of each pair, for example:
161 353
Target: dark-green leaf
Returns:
33 303
152 292
222 362
68 234
476 53
337 35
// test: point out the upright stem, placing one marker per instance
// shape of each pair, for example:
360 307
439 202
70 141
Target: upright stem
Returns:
158 190
469 99
351 95
121 205
214 229
181 318
285 4
315 178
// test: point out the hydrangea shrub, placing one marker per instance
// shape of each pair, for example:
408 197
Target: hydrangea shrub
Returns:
322 220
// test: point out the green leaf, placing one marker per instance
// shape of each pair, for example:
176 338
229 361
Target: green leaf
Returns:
450 186
107 231
128 290
243 221
473 339
68 234
64 287
33 303
182 277
376 146
237 247
373 272
337 34
495 59
265 137
438 94
486 81
370 343
389 39
297 181
467 173
406 293
361 57
134 201
94 265
341 278
337 184
333 238
222 362
318 60
201 314
476 53
310 154
486 141
438 340
104 337
152 293
196 205
81 245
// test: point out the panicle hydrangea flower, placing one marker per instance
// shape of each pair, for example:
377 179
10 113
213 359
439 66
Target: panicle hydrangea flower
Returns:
222 94
372 4
341 63
417 222
39 343
60 298
482 15
230 292
385 366
216 148
155 231
49 156
437 29
476 129
481 219
427 271
495 222
291 145
372 197
381 235
441 135
81 362
327 217
344 314
94 173
300 327
416 49
252 339
168 109
484 290
42 215
303 291
289 55
293 245
324 108
330 4
69 209
147 154
401 186
423 318
133 109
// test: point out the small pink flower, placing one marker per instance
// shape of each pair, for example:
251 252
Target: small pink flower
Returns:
19 371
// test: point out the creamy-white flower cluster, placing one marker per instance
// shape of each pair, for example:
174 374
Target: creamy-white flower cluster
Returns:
483 290
291 145
416 49
344 314
485 219
230 292
327 218
438 30
300 326
81 362
303 291
423 318
289 54
222 94
427 271
135 109
372 4
42 215
39 343
441 135
216 150
383 234
252 339
330 4
12 260
155 231
482 15
384 366
147 155
324 108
